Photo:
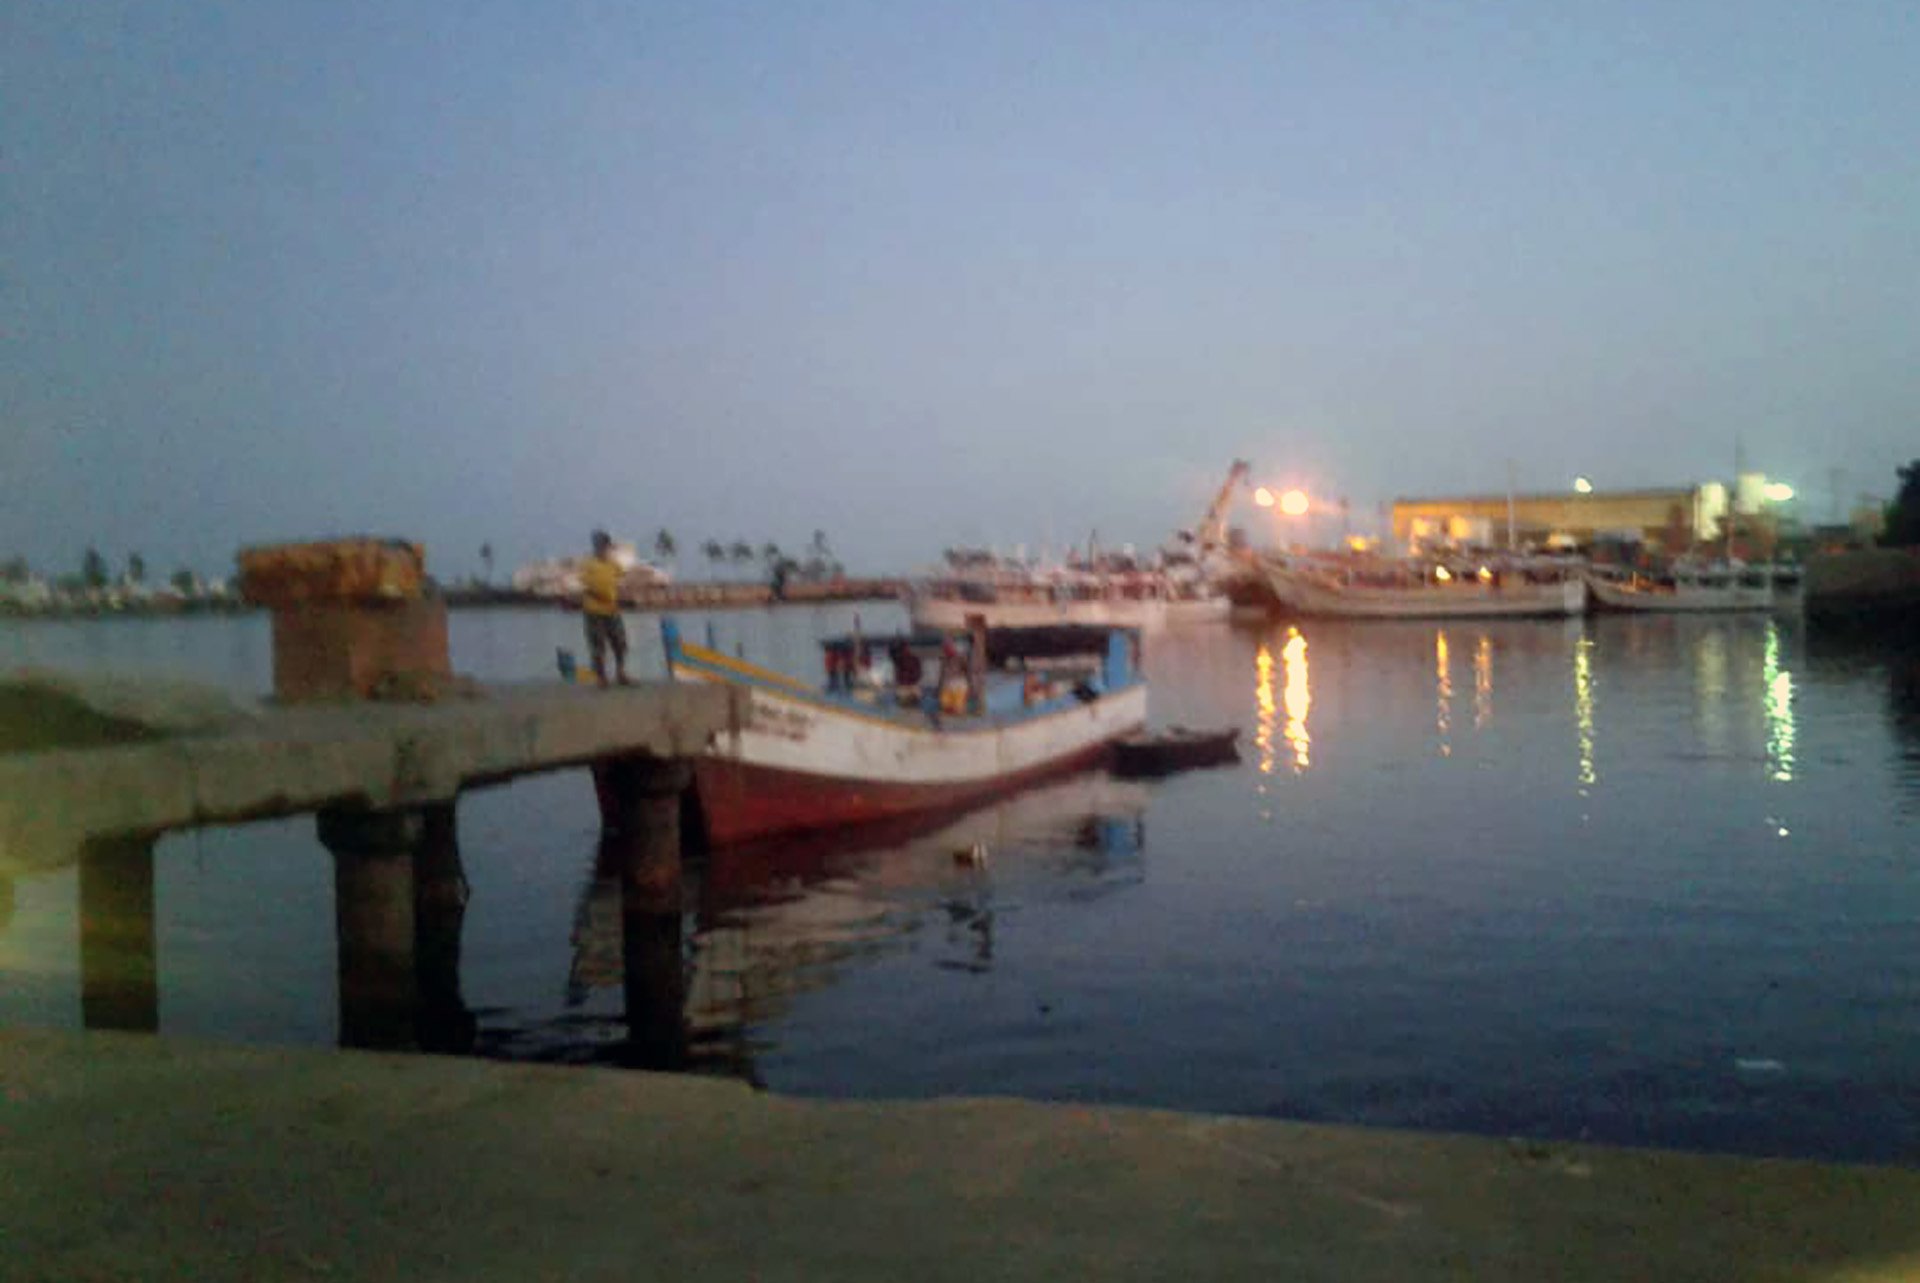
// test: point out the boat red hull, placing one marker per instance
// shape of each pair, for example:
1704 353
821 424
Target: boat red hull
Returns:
743 802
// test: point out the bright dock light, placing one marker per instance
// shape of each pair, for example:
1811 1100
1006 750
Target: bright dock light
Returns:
1582 486
1263 497
1777 492
1293 502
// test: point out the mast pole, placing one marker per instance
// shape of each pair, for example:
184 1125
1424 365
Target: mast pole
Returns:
1509 505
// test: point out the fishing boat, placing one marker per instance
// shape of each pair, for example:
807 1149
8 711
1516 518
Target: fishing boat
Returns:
1103 598
1003 712
1413 590
1715 587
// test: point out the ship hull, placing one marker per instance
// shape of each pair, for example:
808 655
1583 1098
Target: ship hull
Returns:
1308 594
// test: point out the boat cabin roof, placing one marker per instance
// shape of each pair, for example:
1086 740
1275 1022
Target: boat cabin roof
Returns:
1003 644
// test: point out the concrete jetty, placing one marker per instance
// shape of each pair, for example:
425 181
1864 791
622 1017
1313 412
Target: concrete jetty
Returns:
154 757
98 769
372 732
133 1157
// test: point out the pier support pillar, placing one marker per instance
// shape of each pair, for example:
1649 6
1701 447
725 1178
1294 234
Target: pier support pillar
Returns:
373 895
640 809
400 902
119 986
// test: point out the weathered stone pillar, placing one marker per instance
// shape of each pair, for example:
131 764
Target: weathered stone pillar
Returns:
351 618
374 891
119 987
640 806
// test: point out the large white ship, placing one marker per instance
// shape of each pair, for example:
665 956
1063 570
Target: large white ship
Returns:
559 578
1184 583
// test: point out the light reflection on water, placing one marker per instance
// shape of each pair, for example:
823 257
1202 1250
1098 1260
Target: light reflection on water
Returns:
1264 706
1483 683
1377 933
1710 668
1779 708
1298 698
1583 711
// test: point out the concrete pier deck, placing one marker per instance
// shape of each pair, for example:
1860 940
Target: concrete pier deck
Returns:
144 772
131 1157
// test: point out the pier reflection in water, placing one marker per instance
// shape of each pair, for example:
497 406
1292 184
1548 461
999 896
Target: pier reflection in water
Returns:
1904 681
1660 889
765 926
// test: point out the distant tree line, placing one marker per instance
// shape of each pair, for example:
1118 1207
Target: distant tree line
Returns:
815 562
95 572
1903 514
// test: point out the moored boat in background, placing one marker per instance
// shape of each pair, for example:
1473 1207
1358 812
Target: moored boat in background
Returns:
1184 582
1109 592
1350 589
1684 587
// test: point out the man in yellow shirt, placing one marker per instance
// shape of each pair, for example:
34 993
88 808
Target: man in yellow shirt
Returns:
600 608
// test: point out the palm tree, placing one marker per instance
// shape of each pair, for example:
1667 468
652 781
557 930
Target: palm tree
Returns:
663 545
486 559
93 569
136 568
716 552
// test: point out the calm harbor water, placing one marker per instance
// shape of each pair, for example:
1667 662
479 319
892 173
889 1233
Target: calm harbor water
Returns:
1638 880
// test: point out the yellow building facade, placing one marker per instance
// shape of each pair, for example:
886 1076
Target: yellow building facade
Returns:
1673 517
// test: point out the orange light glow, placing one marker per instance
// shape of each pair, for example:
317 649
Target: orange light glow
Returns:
1293 502
1263 497
1442 574
1297 698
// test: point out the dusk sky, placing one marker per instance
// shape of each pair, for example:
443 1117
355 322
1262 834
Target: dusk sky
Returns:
919 274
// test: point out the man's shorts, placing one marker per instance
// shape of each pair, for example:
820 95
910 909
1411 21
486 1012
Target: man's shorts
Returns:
604 631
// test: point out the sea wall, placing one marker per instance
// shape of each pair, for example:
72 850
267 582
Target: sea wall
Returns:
1863 584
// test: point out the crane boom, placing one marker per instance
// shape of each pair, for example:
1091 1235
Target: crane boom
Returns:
1212 531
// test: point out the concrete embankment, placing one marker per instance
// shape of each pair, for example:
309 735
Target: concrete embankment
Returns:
1865 584
129 1157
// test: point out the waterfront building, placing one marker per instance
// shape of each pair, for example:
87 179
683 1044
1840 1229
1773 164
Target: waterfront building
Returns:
1672 517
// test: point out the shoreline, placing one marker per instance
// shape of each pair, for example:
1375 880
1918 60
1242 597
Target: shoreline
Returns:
687 596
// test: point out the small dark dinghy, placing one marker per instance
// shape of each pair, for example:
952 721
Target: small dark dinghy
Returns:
1178 748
